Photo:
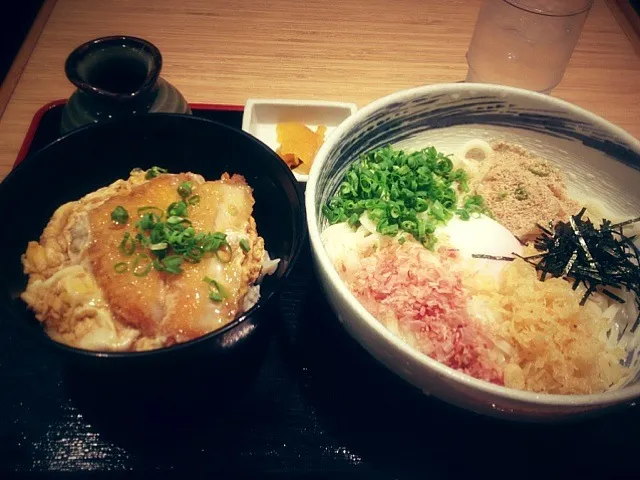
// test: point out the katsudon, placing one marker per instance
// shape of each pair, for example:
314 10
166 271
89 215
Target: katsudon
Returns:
148 262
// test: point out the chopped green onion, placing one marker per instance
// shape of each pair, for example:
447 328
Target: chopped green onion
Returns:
172 241
421 205
177 209
224 253
153 172
142 269
390 229
422 229
120 215
436 210
159 246
121 267
244 244
154 210
463 214
184 190
409 192
143 240
148 221
216 292
215 296
172 264
353 220
127 245
159 233
175 219
213 241
194 255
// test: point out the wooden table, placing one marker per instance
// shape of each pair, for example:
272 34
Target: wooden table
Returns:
348 50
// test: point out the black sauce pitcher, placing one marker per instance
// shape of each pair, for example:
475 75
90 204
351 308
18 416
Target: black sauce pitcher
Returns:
115 76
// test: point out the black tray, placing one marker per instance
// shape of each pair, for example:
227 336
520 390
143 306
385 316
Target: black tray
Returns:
320 406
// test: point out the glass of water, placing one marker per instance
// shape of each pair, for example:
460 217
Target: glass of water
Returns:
525 43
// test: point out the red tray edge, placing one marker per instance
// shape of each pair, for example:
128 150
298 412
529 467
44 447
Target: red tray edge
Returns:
35 121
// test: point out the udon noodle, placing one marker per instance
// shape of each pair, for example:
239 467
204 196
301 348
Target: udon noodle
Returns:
463 293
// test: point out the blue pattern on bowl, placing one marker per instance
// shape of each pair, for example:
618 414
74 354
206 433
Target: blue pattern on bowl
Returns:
405 115
402 120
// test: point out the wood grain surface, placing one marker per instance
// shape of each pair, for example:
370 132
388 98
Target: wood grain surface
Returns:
22 57
348 50
628 19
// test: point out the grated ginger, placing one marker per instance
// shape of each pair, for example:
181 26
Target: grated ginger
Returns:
557 346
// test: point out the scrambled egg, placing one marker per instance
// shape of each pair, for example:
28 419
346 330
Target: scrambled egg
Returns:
83 302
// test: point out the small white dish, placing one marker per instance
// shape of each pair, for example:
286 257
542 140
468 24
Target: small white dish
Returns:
262 115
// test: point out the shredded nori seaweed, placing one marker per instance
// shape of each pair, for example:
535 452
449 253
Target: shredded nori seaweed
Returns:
595 257
493 257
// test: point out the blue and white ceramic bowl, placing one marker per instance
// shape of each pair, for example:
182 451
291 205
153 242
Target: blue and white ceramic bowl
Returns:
600 159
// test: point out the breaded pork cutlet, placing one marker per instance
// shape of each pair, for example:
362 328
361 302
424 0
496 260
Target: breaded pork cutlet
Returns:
93 286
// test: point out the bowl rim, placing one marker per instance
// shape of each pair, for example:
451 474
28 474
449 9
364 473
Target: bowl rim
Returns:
296 247
617 396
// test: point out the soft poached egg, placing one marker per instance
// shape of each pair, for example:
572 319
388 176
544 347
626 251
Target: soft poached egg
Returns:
483 236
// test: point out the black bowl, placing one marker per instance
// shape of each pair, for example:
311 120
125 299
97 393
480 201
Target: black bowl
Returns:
94 156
